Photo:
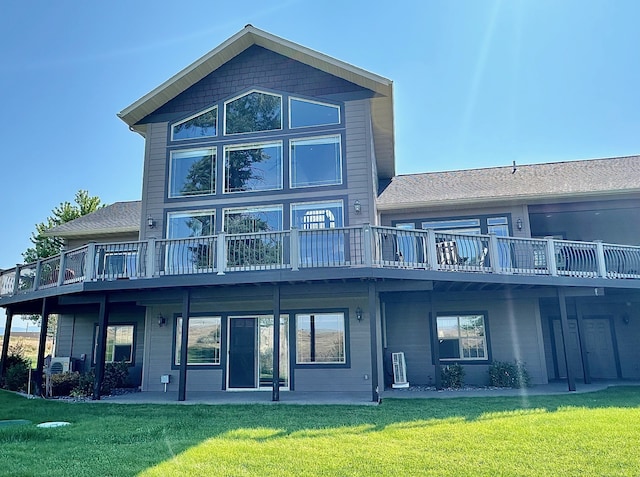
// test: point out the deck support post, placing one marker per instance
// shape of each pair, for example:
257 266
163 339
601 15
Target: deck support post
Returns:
275 395
435 343
62 268
151 258
90 261
373 331
42 343
552 265
600 259
186 311
432 253
221 253
103 323
367 248
5 343
564 324
584 353
494 253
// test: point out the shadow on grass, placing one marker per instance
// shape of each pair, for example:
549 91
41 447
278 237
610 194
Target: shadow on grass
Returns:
134 437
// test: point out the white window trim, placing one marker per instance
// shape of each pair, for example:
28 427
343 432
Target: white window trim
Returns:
176 358
199 113
257 208
344 340
214 150
224 112
237 147
292 141
460 338
320 205
190 213
295 98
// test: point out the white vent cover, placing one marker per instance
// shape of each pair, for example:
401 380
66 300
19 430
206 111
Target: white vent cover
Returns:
399 371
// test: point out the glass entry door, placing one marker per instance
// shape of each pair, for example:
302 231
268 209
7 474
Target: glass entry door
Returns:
250 363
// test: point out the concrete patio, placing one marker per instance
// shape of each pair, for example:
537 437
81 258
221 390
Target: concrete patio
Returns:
302 398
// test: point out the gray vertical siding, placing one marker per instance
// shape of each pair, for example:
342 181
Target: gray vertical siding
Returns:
359 159
513 327
154 182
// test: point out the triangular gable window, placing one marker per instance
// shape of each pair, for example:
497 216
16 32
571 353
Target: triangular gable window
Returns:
203 124
253 112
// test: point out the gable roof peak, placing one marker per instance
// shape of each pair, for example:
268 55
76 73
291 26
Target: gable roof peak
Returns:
231 48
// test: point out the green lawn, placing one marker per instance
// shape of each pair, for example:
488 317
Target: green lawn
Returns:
567 435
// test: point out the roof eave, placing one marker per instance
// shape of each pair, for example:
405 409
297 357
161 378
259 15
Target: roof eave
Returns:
482 201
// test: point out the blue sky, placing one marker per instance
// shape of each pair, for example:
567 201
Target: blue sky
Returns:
477 83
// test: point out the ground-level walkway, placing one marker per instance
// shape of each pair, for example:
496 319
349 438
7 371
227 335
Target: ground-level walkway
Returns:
297 397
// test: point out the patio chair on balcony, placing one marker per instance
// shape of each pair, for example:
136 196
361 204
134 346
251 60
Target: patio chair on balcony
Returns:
448 253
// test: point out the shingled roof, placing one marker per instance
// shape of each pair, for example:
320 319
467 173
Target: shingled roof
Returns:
119 217
594 177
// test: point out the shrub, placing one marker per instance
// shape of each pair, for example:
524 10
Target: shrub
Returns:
63 383
17 375
452 376
115 376
506 374
17 369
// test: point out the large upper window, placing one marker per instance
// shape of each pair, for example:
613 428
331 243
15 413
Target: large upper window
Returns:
203 340
253 112
462 337
202 124
303 113
192 172
320 338
253 167
316 161
119 344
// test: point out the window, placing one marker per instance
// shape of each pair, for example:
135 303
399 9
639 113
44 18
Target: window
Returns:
197 223
316 162
255 219
191 254
119 344
462 337
192 172
253 112
203 346
202 124
253 167
303 113
320 244
258 250
320 338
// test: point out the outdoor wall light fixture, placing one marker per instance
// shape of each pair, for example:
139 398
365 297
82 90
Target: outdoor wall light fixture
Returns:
625 318
359 314
161 320
519 223
357 207
150 222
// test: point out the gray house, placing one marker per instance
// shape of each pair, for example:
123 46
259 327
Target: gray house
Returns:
269 194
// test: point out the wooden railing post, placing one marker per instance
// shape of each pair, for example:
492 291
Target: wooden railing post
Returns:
600 261
494 253
90 260
367 249
551 257
432 253
61 268
151 258
294 248
221 253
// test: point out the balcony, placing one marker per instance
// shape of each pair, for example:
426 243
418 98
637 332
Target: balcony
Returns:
348 247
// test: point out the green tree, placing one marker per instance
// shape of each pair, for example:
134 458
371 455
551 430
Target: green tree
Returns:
45 246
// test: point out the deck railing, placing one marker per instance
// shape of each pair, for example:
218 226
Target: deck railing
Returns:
365 246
